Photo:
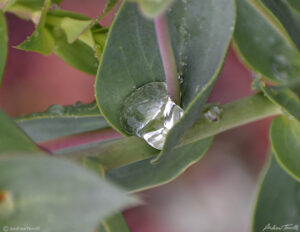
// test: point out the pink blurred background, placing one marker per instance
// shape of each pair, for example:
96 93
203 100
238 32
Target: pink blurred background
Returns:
216 194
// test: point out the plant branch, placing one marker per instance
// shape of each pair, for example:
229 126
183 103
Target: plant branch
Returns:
235 114
167 56
131 149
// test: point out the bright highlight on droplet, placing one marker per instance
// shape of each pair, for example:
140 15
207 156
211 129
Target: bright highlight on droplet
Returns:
149 113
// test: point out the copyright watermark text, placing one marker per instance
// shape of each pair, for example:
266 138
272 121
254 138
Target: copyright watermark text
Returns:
21 228
286 227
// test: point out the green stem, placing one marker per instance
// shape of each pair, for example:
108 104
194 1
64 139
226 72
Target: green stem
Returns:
237 113
131 149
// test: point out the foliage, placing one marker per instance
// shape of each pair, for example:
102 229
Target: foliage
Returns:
124 57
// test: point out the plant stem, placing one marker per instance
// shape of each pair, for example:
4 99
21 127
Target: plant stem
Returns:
237 113
167 56
131 149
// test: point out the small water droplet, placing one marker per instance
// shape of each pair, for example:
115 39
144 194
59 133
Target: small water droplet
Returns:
213 112
255 75
149 113
180 77
56 109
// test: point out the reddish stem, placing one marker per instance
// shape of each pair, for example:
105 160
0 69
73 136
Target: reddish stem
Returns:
167 56
80 139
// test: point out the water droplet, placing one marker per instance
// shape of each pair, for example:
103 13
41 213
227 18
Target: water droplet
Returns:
213 112
149 113
180 77
56 109
255 75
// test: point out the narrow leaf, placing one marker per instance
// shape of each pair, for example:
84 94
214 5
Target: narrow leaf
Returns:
201 34
77 54
12 139
110 4
285 98
27 9
3 44
116 223
130 60
77 202
289 18
41 40
58 121
263 43
285 139
73 24
295 4
277 201
143 175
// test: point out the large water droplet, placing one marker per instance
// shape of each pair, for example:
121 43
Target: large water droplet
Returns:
149 113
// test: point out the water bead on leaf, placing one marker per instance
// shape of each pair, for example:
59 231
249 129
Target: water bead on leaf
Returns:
213 112
149 113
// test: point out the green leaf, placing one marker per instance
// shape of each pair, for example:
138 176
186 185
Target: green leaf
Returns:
131 59
73 24
58 121
58 195
116 223
34 4
12 139
295 4
152 8
26 9
201 35
263 44
143 175
74 39
285 98
285 139
99 35
110 4
288 17
3 44
41 40
111 154
77 54
278 200
74 28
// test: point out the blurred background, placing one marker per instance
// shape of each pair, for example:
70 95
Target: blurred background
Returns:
216 194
